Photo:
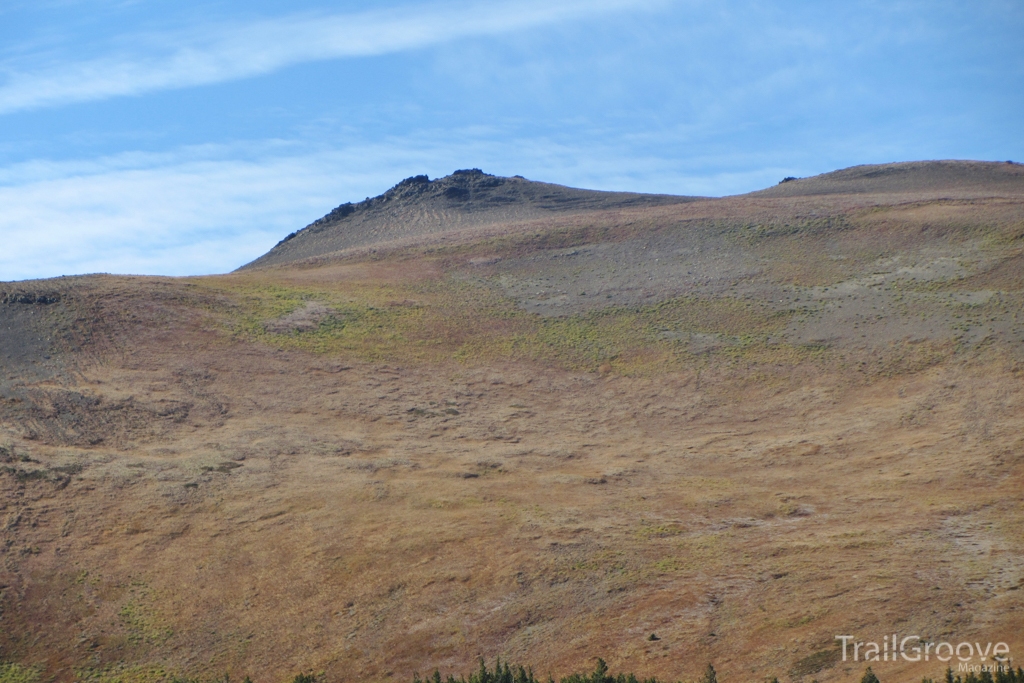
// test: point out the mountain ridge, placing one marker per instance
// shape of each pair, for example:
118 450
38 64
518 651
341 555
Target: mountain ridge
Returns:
418 207
905 176
467 198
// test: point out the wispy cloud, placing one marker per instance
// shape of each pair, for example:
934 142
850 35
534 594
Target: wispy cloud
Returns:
233 52
193 211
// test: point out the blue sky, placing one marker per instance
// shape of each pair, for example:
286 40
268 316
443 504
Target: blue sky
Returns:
159 137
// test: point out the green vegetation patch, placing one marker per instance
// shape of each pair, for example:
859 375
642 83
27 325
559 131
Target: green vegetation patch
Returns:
449 318
649 338
15 673
128 674
753 233
648 530
140 621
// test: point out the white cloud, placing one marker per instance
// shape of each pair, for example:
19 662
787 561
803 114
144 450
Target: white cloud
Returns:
235 52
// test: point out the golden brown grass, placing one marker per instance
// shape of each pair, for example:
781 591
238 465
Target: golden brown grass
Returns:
428 473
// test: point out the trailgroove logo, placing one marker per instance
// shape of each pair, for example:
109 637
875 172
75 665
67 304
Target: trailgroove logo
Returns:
918 649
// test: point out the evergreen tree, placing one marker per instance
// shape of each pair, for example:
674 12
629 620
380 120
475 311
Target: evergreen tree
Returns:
869 676
506 672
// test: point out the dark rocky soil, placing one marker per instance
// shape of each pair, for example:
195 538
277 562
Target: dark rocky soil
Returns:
25 336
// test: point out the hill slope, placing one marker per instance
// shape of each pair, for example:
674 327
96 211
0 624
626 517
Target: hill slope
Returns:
745 425
955 178
418 207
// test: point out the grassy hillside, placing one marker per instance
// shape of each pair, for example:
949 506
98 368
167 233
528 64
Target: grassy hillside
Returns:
742 425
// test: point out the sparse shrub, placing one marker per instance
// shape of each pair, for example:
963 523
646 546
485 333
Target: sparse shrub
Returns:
869 676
